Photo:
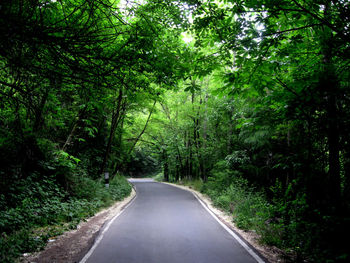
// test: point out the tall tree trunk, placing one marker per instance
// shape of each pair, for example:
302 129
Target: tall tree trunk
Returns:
329 86
187 161
114 124
204 135
288 153
230 131
74 127
39 110
190 159
333 148
346 195
179 164
166 165
177 170
117 164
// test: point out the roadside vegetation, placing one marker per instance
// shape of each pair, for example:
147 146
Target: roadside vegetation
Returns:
40 209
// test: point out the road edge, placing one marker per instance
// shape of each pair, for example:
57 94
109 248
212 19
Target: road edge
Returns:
106 226
207 206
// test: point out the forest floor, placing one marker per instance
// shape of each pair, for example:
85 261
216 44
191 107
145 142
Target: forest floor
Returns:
73 245
270 253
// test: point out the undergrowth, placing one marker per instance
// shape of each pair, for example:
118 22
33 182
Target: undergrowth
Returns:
45 210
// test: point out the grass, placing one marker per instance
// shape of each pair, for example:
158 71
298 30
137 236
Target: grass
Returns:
196 184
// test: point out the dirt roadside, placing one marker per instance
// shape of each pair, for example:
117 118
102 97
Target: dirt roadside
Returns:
272 254
73 245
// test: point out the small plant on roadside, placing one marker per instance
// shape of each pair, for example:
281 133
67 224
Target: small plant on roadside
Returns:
159 177
47 210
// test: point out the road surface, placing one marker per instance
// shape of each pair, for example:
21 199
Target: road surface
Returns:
166 224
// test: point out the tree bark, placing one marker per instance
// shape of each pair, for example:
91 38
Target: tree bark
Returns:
74 127
165 165
329 86
39 111
114 124
204 135
117 165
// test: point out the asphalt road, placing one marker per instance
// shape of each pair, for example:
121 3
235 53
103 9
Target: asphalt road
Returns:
165 224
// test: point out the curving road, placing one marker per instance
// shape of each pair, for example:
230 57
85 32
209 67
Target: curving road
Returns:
165 224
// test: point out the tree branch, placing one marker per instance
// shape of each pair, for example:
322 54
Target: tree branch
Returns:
144 128
292 29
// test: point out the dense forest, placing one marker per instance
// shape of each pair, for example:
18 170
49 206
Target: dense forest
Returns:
247 99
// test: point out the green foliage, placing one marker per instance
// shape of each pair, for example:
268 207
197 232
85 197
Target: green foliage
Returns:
251 209
196 184
45 204
14 245
119 188
142 163
88 189
283 222
159 177
220 177
229 191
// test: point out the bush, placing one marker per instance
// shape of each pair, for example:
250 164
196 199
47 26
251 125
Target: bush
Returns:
45 204
159 177
119 187
83 187
249 207
19 242
196 184
220 177
287 221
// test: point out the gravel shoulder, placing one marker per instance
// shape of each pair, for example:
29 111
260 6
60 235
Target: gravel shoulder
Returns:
272 254
73 245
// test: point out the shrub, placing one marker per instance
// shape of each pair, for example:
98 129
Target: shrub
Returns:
220 177
45 204
119 187
159 177
196 184
83 187
11 246
249 207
